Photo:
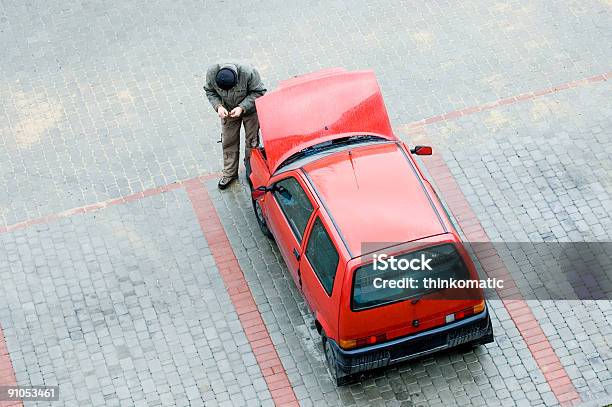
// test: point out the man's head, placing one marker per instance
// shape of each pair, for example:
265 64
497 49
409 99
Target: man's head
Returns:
226 78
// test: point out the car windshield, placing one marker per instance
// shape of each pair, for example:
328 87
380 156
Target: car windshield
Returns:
371 286
330 145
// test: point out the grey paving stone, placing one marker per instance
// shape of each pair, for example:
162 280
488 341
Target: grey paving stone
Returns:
159 325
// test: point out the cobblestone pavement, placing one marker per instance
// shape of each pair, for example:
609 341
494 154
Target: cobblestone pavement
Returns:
126 306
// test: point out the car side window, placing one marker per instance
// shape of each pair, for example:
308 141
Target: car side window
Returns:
322 256
295 205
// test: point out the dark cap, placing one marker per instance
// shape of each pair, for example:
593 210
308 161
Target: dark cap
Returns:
226 78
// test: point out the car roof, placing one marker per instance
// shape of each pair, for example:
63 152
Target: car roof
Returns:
374 196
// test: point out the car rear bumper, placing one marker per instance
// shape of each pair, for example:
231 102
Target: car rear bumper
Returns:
474 329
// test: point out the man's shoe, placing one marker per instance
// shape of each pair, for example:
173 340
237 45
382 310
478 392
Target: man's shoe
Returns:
225 181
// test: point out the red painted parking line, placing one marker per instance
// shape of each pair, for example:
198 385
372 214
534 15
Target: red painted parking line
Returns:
510 100
101 205
515 304
7 374
253 325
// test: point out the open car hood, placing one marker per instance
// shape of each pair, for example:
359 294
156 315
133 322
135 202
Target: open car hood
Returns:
317 107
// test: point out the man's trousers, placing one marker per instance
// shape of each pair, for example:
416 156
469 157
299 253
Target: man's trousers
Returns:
230 130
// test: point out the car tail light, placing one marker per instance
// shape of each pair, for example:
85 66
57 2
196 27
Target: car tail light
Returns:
368 340
371 340
478 308
466 312
347 343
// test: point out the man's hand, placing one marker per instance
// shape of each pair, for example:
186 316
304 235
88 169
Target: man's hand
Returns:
222 112
236 112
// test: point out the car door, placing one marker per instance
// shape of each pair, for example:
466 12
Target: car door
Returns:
320 268
289 212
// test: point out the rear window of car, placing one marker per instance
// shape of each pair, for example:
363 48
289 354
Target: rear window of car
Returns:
445 263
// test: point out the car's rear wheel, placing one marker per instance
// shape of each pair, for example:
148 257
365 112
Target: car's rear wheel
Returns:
261 221
338 376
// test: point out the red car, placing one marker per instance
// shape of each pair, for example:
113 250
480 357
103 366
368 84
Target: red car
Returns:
332 185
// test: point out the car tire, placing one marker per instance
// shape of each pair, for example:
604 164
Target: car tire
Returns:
338 376
261 221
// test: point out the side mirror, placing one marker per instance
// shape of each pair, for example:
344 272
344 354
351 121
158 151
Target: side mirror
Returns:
259 192
421 150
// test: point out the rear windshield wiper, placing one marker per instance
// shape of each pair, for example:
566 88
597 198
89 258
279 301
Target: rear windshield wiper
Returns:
418 297
329 145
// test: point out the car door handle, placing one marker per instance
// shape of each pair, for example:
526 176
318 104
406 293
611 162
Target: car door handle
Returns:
296 253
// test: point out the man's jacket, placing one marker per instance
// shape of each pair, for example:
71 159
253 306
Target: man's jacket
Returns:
248 88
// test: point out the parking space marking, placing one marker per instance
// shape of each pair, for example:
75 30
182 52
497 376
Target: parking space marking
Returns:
241 296
7 373
509 100
518 309
103 204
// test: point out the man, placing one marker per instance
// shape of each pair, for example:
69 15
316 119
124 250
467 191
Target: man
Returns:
232 90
